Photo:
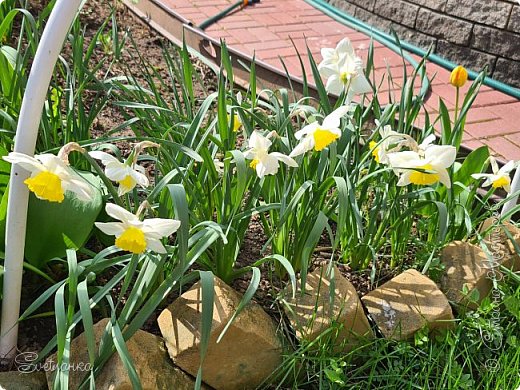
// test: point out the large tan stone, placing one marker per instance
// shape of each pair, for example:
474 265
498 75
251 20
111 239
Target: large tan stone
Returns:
247 354
148 354
313 312
15 380
466 268
499 244
407 303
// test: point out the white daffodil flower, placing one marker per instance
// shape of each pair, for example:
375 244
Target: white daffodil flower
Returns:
318 136
389 138
134 235
265 163
424 169
51 176
127 174
343 70
500 177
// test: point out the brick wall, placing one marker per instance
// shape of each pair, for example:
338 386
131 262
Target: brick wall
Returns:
473 33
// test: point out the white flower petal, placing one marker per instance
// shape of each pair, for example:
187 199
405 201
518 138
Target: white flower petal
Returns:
404 179
333 120
508 167
117 212
26 162
105 158
303 147
160 227
479 176
258 141
83 190
334 84
155 245
444 176
285 159
310 128
441 155
427 142
407 159
117 172
494 165
111 228
328 69
360 85
140 178
268 165
345 47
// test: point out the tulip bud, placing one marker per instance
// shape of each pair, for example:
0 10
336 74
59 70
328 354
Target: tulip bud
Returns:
459 76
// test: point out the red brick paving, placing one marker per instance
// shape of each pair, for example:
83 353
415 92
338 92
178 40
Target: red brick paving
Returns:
267 28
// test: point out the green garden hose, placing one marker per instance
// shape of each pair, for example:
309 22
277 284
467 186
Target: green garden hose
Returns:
215 18
385 39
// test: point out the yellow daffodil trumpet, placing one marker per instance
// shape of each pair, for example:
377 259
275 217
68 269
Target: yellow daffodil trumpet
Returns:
135 235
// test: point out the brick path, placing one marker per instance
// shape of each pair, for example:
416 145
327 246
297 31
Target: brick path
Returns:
269 29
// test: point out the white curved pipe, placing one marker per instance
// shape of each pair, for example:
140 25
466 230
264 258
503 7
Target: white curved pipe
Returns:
38 83
515 186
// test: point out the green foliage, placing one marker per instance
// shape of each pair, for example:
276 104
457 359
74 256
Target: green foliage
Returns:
340 197
52 228
481 352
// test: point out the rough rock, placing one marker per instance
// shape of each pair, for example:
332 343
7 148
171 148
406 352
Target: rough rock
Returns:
443 26
489 39
313 312
499 244
407 303
148 354
248 353
493 13
15 380
467 267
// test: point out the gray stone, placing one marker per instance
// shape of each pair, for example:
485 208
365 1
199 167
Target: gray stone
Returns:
414 36
249 352
514 20
491 40
398 11
406 304
470 58
443 26
312 312
493 13
507 71
466 269
366 4
373 19
15 380
437 5
345 6
147 351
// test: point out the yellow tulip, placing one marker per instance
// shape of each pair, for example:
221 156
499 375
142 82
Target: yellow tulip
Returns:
459 76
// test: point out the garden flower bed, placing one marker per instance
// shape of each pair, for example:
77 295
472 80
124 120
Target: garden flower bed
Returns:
213 235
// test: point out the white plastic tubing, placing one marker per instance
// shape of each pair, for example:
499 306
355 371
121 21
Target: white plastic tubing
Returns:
38 83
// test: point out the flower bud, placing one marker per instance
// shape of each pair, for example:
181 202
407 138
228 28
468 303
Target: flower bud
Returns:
65 150
459 76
